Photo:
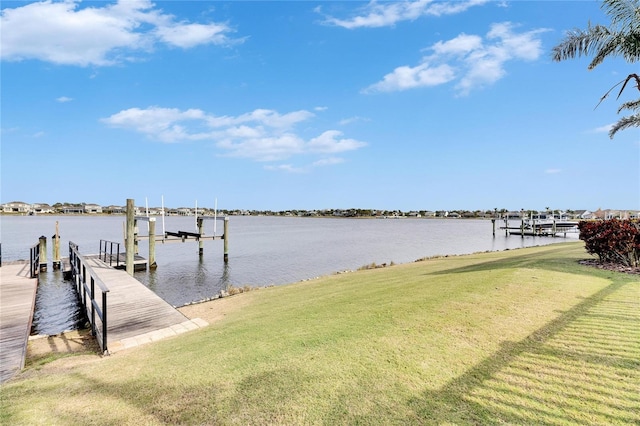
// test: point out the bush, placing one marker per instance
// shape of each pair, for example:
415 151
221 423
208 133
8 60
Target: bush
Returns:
616 241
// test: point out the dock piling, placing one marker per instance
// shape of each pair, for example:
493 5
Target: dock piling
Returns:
129 241
200 223
152 243
43 253
226 239
56 249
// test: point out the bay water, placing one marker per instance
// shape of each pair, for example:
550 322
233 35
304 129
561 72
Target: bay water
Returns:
263 251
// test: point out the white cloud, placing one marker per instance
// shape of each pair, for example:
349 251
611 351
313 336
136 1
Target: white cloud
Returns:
190 35
157 123
405 77
331 142
461 45
289 168
286 168
260 135
603 129
63 33
351 120
328 161
375 14
63 99
266 147
473 61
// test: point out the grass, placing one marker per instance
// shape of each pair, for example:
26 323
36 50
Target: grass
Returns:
518 337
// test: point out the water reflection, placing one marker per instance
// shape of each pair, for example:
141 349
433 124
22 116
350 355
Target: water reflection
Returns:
187 281
57 307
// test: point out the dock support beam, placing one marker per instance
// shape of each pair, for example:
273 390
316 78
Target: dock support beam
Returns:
56 249
43 253
493 224
201 232
152 243
130 239
226 239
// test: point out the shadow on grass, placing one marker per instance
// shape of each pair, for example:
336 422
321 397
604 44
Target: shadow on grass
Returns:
167 399
548 257
581 368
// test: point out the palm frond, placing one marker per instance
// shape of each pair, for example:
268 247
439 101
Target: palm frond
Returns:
623 13
630 77
631 105
625 123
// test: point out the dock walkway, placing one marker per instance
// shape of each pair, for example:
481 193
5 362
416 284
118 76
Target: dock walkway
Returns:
136 315
17 302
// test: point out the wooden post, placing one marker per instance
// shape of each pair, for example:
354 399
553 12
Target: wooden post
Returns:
152 243
226 239
493 223
43 253
56 249
522 228
129 241
136 249
506 226
201 232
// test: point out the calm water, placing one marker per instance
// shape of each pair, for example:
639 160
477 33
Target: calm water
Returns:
262 250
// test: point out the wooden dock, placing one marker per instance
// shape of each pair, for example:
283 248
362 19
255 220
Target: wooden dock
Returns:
17 302
120 261
136 315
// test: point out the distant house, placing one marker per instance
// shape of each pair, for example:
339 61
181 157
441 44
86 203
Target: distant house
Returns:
583 215
114 210
42 208
16 207
612 214
92 209
73 209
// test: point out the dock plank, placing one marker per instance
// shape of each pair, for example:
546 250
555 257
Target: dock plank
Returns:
134 312
17 302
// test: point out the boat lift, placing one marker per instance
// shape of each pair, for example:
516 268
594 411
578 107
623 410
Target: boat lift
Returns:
174 236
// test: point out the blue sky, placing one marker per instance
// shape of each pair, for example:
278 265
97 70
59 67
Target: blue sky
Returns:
411 105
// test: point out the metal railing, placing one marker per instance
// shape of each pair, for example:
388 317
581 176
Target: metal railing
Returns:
86 283
108 252
34 260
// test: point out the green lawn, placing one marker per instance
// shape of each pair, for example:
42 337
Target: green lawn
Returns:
519 337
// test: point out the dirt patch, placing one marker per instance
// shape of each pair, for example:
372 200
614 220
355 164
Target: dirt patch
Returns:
70 342
608 266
